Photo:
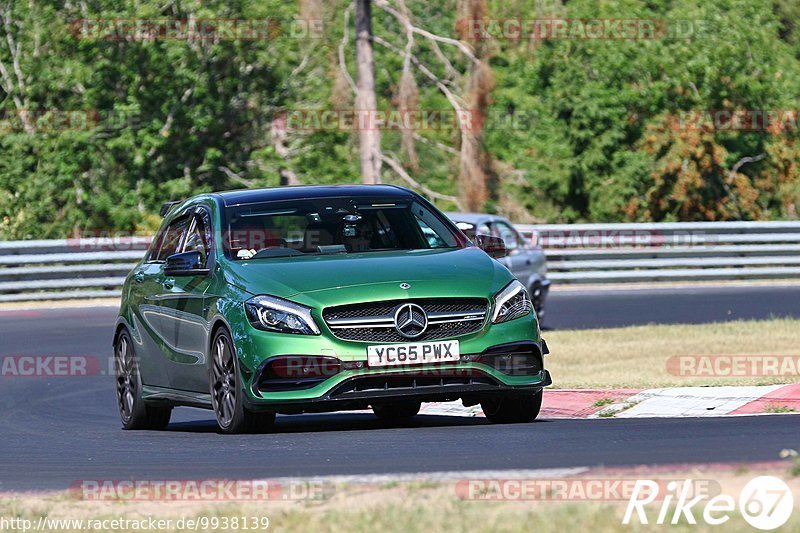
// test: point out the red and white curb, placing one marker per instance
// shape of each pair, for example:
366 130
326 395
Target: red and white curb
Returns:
674 402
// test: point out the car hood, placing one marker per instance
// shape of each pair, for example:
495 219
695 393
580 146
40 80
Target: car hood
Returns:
323 280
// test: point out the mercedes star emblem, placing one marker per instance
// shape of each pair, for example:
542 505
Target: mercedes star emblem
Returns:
410 321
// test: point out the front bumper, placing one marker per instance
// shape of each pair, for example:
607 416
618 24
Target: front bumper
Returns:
342 398
347 395
514 368
355 387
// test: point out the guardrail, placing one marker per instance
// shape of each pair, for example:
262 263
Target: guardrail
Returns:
576 253
67 268
681 251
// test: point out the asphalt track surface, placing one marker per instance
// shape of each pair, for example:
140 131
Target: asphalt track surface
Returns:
608 308
55 431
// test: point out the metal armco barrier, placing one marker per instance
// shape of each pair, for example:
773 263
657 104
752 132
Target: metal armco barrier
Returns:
680 251
67 268
576 253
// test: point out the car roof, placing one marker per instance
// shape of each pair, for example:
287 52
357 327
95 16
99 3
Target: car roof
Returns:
250 196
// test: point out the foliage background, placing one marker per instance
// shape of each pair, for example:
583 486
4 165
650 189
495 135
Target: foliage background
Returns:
576 130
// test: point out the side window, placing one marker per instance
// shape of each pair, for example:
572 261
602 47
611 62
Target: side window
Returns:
173 238
198 237
155 245
508 234
432 238
436 233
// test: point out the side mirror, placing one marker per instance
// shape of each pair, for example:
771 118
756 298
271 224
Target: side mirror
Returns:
494 246
185 264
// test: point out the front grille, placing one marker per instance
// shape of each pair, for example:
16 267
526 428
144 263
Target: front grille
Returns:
374 322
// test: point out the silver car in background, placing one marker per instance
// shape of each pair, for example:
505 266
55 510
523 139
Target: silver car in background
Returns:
525 258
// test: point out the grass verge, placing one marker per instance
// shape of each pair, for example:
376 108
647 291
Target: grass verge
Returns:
418 506
637 356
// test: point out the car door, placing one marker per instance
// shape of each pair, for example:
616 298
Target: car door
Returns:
184 301
519 259
155 332
147 324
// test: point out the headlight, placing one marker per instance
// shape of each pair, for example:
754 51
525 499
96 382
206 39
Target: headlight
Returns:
512 302
276 314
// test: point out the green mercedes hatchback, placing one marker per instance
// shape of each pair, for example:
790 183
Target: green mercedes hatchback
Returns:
312 299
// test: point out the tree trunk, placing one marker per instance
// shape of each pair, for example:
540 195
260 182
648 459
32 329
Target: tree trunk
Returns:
366 102
475 165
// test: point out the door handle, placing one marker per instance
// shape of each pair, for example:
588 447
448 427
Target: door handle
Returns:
138 278
168 283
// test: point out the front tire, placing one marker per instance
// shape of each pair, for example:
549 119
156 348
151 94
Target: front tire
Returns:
512 409
227 391
133 411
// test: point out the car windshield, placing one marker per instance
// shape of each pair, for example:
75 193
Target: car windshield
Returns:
333 226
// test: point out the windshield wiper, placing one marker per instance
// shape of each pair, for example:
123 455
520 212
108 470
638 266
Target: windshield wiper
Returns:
332 249
268 253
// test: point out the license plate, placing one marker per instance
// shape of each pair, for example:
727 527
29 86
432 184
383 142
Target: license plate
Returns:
418 353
